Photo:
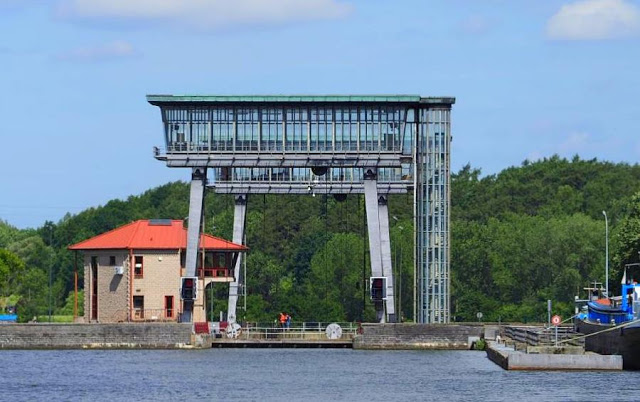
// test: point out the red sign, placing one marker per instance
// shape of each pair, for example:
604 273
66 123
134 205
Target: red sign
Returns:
556 320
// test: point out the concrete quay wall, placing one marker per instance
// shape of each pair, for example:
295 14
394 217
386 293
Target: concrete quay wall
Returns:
499 356
417 336
510 359
80 336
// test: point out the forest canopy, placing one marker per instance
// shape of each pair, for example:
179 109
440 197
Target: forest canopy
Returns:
519 237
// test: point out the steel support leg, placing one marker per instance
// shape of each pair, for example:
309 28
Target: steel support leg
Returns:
239 220
196 202
373 227
385 250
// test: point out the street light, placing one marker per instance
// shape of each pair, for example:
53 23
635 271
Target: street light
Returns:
400 278
606 269
395 267
50 265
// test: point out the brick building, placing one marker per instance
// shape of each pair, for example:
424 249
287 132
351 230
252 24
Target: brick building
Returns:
133 273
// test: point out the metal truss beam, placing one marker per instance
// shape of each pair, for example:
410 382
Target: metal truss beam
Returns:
283 159
307 188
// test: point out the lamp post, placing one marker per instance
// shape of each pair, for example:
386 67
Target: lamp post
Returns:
606 266
400 278
50 267
395 277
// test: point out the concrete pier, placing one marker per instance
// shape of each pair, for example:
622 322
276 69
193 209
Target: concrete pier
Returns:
510 359
417 336
98 336
281 343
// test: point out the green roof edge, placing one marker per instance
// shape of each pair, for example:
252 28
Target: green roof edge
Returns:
158 99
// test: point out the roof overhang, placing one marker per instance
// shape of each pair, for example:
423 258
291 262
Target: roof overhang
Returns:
168 100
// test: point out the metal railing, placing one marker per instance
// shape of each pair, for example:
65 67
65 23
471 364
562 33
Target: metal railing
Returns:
143 315
302 331
215 272
540 336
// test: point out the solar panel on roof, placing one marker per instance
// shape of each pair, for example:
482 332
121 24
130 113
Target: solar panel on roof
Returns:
159 222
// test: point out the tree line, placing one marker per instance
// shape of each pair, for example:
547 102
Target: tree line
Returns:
525 235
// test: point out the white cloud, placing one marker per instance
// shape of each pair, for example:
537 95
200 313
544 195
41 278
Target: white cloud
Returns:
104 52
575 143
534 156
595 19
204 14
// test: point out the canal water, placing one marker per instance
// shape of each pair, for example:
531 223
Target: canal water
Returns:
292 374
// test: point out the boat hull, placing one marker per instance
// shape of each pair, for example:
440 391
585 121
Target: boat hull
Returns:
624 341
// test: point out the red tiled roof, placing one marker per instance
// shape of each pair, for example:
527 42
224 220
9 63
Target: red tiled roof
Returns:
143 235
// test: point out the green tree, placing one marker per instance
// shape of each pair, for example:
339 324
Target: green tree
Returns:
12 270
626 248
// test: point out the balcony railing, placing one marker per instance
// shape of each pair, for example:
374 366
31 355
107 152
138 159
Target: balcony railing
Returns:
144 315
217 272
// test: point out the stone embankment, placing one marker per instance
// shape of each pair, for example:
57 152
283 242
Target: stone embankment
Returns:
554 359
417 336
79 336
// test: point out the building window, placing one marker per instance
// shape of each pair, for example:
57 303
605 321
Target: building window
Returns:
208 260
138 267
112 260
138 306
168 306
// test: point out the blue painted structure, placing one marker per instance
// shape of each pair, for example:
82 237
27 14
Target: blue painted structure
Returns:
607 314
8 318
614 329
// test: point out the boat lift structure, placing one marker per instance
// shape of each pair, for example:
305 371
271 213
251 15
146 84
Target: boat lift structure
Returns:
371 145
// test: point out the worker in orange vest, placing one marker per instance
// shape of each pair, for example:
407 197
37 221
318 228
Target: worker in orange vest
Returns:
283 320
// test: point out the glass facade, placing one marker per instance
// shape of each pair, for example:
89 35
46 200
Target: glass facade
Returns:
432 195
364 128
276 141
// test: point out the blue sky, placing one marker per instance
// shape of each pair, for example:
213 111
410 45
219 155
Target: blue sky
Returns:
531 78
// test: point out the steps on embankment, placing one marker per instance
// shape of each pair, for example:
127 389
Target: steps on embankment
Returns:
510 359
81 336
418 336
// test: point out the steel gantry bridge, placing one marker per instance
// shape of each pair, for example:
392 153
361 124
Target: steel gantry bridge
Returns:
371 145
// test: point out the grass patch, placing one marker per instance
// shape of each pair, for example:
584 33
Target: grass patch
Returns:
480 344
55 318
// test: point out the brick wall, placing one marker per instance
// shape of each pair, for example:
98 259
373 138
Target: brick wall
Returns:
113 290
161 278
144 335
416 336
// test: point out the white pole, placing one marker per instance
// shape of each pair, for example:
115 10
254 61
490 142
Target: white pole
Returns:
606 269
